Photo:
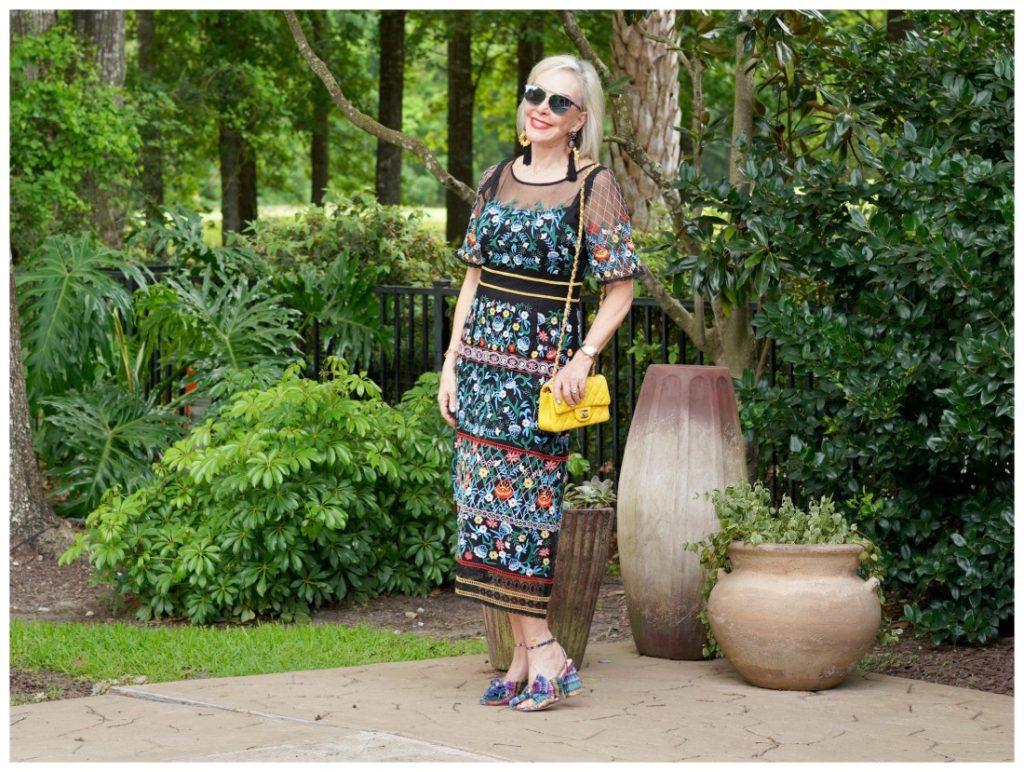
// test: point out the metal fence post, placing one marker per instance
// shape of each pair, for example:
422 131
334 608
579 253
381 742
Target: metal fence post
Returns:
440 321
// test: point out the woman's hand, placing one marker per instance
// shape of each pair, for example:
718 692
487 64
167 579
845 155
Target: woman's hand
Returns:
570 382
446 394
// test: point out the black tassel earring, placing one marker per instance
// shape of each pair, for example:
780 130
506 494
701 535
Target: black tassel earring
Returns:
527 155
574 157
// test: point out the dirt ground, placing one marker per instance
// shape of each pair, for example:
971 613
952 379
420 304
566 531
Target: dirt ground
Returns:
40 589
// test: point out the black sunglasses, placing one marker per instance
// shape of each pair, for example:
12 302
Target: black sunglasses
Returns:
535 95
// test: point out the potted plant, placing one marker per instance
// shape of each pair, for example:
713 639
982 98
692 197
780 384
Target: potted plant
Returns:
784 602
584 538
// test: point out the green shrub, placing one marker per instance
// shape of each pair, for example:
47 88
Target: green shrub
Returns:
295 496
883 275
361 229
67 128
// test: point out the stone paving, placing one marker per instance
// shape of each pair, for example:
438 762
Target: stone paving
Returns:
633 708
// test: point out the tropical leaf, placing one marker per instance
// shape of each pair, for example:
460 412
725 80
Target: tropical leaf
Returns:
67 295
107 435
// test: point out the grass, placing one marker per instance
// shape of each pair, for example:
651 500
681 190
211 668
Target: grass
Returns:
108 651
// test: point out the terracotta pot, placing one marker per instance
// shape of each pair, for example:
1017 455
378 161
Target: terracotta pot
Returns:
583 543
684 440
794 616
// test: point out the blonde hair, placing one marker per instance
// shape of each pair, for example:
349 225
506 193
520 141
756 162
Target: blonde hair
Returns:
592 99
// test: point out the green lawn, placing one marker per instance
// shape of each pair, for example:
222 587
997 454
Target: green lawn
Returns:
107 651
434 218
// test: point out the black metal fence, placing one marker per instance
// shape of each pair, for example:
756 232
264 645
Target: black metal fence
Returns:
420 322
419 319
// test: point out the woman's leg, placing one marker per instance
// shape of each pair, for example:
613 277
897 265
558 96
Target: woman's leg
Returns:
519 668
547 661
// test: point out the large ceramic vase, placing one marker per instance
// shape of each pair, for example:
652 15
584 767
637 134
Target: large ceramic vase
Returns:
794 616
684 440
583 544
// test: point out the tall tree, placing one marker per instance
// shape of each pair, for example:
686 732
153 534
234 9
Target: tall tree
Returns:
652 98
152 148
391 36
103 32
459 28
31 23
320 141
529 51
31 516
238 192
369 125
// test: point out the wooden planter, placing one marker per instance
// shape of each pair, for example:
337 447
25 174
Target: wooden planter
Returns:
583 543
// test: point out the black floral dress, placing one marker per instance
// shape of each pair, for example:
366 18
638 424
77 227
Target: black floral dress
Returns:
508 475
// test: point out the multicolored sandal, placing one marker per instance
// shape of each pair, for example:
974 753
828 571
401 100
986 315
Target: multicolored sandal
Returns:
548 693
502 692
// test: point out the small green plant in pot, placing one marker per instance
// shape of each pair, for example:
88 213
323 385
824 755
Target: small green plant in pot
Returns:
594 493
785 596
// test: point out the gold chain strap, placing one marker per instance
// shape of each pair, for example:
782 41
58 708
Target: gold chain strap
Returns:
572 278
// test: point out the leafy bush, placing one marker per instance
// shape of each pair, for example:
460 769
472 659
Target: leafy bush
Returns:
361 229
745 515
908 343
295 496
66 127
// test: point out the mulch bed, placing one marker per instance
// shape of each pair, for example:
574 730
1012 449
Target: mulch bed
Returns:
42 590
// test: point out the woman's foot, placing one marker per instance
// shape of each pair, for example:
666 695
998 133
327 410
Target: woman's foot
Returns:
552 676
502 690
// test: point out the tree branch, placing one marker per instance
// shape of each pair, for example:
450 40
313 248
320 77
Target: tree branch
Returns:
368 124
691 324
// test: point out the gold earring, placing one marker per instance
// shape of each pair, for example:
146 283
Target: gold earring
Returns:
527 155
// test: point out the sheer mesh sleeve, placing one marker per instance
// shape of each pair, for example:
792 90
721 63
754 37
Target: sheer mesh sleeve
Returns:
609 235
469 252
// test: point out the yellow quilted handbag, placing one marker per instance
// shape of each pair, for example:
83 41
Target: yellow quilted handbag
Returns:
592 409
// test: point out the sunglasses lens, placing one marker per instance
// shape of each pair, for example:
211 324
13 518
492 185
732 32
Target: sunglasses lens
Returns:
559 104
534 95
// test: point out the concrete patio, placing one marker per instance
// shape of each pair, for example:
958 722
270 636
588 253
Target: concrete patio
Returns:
633 708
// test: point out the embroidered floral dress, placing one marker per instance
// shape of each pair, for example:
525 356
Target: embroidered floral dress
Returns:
508 476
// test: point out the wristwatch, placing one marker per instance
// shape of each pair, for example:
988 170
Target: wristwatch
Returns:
590 351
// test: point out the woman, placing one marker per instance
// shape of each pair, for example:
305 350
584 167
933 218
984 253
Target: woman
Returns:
508 475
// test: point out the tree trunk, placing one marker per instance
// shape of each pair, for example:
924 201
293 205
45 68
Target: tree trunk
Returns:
652 98
103 31
32 518
31 23
529 51
248 207
897 24
390 90
320 141
152 150
230 152
237 182
460 118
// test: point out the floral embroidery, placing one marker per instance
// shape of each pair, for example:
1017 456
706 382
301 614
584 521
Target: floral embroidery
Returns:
508 476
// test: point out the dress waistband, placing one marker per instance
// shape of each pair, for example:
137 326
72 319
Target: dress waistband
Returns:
531 286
